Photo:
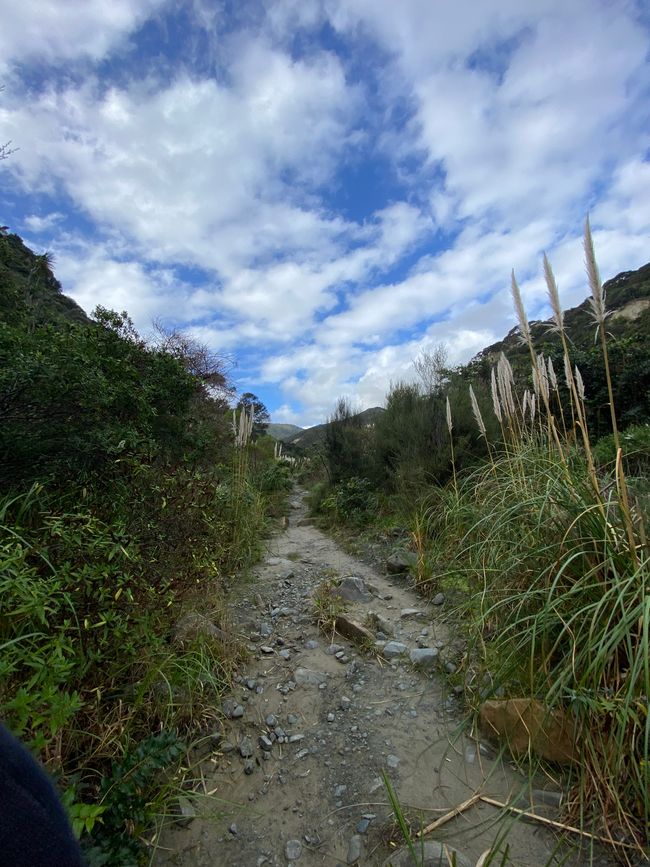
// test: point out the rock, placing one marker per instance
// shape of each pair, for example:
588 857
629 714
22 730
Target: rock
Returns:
353 630
265 743
246 748
392 761
424 657
193 626
309 677
430 854
311 644
352 589
293 850
232 709
271 720
363 825
249 767
400 562
526 724
265 630
333 649
345 702
355 849
438 599
410 614
394 649
186 810
379 623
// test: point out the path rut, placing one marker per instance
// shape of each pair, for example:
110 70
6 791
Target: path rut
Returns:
321 728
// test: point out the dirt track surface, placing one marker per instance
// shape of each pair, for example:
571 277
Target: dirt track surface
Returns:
321 729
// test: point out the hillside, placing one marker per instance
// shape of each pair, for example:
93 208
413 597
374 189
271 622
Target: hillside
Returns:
29 289
627 298
312 436
283 432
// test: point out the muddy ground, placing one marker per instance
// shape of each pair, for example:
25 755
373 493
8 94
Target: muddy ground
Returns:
294 774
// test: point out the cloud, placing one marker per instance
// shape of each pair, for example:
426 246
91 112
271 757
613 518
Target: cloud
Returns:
325 187
43 224
48 31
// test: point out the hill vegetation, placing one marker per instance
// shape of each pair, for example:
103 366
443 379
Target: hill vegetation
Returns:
127 509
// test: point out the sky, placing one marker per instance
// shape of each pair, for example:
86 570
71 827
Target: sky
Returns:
321 190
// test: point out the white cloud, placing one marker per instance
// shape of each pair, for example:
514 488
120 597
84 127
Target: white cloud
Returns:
43 224
503 123
57 30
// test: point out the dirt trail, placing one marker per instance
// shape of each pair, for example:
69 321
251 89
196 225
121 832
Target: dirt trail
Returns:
320 729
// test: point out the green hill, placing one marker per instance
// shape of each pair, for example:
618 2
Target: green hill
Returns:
283 432
312 436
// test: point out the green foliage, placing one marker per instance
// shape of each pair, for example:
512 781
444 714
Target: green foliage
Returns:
635 443
127 797
352 502
347 447
250 402
123 498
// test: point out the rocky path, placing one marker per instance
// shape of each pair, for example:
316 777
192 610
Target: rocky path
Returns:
314 720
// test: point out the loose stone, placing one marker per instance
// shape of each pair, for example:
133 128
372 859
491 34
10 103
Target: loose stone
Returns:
246 748
394 649
355 848
293 850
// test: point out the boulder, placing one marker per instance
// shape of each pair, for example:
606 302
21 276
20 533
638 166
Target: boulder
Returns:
352 629
400 562
379 623
525 724
352 589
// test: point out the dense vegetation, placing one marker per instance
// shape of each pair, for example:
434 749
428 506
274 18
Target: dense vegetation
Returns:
524 481
125 499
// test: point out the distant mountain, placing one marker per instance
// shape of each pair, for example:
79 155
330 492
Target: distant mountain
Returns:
312 436
283 432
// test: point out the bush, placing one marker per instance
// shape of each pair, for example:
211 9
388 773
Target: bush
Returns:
352 502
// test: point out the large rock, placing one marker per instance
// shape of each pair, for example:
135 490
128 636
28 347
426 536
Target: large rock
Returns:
352 589
425 657
429 854
194 625
353 630
525 724
400 562
309 677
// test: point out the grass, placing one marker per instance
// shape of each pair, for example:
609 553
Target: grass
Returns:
554 553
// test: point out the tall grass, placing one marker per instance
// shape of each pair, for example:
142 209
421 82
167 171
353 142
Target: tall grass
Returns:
555 555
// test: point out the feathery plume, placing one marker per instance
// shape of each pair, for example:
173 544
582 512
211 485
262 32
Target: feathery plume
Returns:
519 309
524 403
597 300
579 383
553 295
551 374
542 377
535 376
496 404
450 425
532 407
477 412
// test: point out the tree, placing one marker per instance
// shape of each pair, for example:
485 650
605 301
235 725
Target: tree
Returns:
261 418
431 367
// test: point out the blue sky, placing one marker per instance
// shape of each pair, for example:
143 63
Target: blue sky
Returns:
323 189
